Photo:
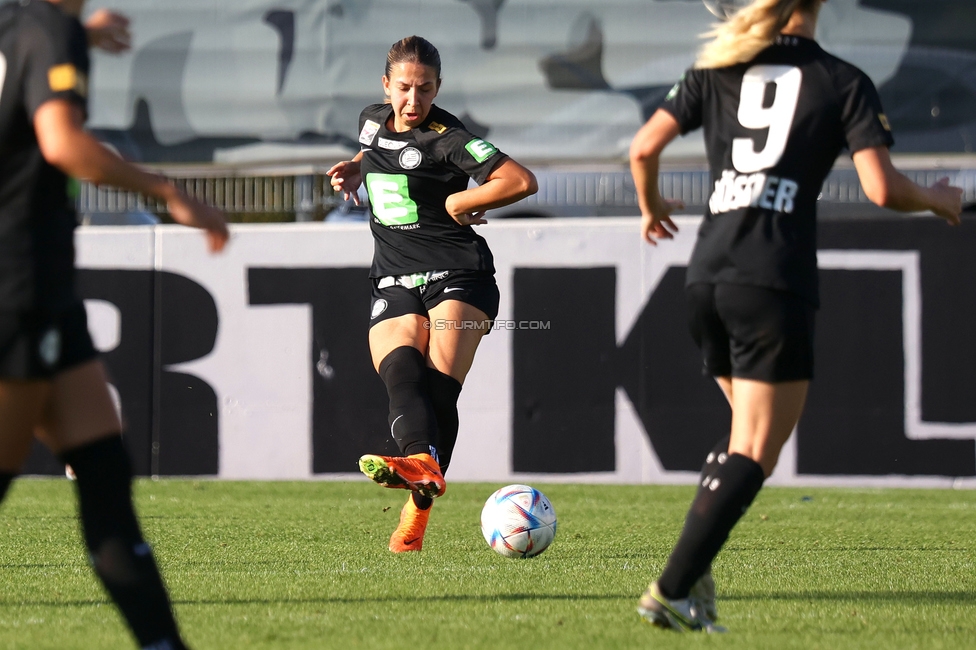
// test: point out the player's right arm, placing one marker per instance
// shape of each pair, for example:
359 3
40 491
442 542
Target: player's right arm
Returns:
889 188
645 156
67 146
108 31
346 177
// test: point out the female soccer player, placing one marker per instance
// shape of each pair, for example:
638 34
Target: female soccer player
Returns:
51 382
434 292
777 111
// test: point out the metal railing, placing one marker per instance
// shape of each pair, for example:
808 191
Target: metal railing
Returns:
291 194
304 193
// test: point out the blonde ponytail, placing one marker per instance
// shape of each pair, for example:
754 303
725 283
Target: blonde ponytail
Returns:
750 30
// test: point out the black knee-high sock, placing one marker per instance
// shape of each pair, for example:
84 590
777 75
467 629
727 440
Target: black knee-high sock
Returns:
444 392
119 555
714 512
717 456
412 420
5 481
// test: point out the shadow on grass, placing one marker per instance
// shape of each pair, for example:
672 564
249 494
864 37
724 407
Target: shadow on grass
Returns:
962 597
959 597
339 600
63 566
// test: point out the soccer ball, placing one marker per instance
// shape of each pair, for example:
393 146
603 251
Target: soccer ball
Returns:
518 521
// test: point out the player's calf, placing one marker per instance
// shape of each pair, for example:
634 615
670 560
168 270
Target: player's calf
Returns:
120 557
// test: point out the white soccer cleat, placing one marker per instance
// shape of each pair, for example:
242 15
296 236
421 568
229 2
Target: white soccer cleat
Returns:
670 614
702 596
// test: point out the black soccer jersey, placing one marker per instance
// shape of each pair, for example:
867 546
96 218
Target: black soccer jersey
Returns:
408 176
43 56
773 129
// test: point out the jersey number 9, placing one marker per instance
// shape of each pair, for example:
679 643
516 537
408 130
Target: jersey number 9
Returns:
777 117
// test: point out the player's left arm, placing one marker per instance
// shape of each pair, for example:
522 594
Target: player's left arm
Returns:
645 157
507 183
889 188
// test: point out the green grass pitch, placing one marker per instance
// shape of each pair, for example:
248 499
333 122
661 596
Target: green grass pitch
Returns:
304 565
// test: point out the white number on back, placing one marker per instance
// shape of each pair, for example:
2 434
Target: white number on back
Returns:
778 117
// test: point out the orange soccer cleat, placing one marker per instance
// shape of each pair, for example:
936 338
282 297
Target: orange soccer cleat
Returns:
409 534
418 472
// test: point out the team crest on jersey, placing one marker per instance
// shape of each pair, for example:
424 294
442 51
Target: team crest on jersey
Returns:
369 132
378 308
410 158
386 143
885 124
438 127
49 348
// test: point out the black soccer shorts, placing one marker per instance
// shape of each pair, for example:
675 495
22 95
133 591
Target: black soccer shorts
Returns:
418 293
752 332
34 346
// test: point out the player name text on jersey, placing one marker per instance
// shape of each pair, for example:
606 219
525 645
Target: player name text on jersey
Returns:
734 191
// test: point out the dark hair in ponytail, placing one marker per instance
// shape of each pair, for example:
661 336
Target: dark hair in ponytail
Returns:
413 49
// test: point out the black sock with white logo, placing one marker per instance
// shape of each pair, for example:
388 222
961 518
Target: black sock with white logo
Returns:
413 423
444 393
717 456
119 555
717 508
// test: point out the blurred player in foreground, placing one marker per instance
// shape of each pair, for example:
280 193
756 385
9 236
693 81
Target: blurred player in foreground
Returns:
777 111
51 383
434 291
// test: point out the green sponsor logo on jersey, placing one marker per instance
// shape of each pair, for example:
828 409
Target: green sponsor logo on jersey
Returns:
390 199
480 150
674 90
